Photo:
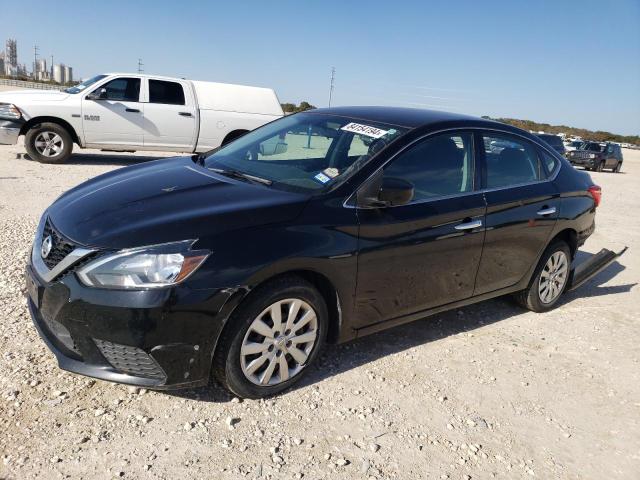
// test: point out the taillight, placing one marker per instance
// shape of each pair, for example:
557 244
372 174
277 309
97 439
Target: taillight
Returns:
596 193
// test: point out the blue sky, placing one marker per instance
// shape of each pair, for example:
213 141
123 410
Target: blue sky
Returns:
562 62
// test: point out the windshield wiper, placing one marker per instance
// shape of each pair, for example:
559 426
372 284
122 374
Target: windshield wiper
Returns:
241 175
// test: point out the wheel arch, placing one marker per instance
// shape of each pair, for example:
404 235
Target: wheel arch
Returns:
44 119
570 237
318 280
233 134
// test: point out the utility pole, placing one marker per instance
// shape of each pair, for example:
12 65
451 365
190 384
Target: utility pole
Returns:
35 62
140 65
333 76
51 72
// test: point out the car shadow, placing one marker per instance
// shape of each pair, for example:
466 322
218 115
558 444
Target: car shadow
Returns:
337 359
105 159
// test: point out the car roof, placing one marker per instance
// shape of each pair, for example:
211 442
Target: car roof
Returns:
402 117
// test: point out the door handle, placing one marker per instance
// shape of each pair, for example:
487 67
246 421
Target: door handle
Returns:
185 114
546 211
132 110
469 225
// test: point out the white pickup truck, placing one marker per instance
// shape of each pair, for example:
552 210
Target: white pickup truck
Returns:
129 112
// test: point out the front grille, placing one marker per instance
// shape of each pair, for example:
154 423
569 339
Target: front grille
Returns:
581 154
61 246
131 360
61 334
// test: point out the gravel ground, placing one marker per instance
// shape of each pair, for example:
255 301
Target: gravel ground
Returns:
481 392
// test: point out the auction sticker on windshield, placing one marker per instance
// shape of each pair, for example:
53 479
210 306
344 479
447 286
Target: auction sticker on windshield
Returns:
367 130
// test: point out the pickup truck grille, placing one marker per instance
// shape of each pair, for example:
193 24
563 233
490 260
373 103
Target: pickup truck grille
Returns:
580 154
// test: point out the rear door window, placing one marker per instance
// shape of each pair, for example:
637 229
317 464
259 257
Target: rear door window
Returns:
168 93
510 161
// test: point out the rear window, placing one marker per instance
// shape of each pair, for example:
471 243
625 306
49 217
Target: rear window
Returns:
170 93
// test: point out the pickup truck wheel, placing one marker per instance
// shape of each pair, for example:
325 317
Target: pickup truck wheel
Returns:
549 279
48 143
600 167
618 167
272 338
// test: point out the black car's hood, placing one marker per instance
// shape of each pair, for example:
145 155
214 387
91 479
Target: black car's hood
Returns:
163 201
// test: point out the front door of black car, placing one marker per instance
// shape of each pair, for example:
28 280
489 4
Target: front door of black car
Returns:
425 253
522 209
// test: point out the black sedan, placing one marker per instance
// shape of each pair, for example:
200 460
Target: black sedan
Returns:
319 227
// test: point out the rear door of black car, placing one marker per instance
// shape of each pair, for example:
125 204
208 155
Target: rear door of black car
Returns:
522 209
426 253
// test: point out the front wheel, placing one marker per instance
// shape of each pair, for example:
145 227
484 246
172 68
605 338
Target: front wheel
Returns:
48 143
549 280
600 167
618 167
272 339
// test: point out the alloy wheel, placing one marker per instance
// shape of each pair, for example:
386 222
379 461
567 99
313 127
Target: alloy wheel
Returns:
278 342
553 277
49 144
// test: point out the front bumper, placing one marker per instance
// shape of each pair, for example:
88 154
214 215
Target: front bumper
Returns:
160 339
9 132
583 162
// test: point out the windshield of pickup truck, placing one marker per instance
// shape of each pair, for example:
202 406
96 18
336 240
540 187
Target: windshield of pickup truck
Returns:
81 86
305 152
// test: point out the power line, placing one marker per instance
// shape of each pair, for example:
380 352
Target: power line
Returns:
331 85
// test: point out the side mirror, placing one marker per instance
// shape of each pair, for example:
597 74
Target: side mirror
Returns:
395 191
98 94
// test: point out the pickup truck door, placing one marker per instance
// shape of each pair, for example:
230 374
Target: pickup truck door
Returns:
170 116
112 113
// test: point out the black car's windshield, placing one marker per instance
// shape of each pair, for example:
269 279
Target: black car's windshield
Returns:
306 152
592 147
81 86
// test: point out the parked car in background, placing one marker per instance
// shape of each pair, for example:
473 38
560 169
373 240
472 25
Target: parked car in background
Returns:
128 112
555 141
572 145
240 264
597 156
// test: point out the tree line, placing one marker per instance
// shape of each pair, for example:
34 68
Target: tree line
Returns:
597 136
293 108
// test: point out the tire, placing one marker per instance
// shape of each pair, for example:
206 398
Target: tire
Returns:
48 143
618 167
233 366
600 167
532 298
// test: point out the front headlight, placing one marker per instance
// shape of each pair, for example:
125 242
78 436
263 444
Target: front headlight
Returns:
592 155
146 267
10 111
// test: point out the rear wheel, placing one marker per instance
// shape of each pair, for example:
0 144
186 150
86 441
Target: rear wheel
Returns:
48 143
273 339
618 167
549 280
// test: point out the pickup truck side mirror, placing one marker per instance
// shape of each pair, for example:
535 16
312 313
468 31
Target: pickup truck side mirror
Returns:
98 94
